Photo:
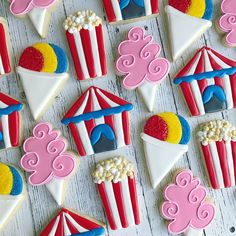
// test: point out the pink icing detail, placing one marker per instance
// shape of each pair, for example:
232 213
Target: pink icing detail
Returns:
186 204
45 155
228 21
21 7
139 60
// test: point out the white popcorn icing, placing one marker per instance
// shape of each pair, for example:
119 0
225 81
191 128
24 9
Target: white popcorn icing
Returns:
114 169
81 20
216 130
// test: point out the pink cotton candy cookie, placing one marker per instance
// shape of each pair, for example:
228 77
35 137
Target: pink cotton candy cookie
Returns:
140 64
186 206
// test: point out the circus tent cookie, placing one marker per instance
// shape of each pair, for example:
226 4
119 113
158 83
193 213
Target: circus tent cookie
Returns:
84 34
208 82
186 206
38 11
48 161
5 49
115 179
129 10
141 66
227 22
43 73
194 16
12 192
165 140
69 223
10 123
99 122
218 144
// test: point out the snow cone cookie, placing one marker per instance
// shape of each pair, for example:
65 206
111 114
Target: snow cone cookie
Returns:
218 144
5 49
126 11
99 122
43 73
12 192
227 22
141 65
115 179
208 82
67 223
186 206
165 135
38 11
85 38
48 161
192 15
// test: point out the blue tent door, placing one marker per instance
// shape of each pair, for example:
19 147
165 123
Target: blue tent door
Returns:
103 138
132 9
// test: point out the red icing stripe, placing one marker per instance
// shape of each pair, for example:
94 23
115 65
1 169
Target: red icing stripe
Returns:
60 228
14 128
233 87
48 228
8 100
105 201
210 166
101 49
109 10
126 127
86 42
71 227
74 54
120 204
154 4
182 5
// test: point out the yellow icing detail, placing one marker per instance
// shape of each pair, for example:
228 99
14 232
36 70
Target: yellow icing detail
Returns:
50 58
174 127
6 180
197 8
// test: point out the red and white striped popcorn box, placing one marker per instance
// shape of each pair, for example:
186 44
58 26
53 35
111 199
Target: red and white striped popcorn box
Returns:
84 34
218 145
117 188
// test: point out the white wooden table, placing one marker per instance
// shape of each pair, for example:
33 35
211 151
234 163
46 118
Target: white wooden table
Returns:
82 195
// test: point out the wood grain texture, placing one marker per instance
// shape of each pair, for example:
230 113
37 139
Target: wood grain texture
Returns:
82 194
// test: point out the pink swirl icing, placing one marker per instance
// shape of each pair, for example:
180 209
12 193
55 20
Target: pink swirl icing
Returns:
139 60
21 7
228 21
186 204
45 155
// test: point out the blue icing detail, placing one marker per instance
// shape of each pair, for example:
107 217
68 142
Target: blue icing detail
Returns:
10 109
93 232
62 60
213 90
186 131
140 3
100 130
125 3
209 10
206 75
97 114
1 136
17 187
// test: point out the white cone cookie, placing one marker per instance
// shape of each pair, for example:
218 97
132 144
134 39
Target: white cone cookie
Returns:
165 136
46 158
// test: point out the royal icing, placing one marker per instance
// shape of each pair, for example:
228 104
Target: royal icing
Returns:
85 38
186 205
141 65
117 188
207 82
227 22
99 121
165 134
43 73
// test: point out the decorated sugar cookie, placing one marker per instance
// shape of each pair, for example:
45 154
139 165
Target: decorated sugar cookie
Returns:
67 223
12 192
47 159
186 206
130 10
218 145
38 11
115 179
99 122
227 22
85 38
208 82
141 66
43 73
165 135
194 16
